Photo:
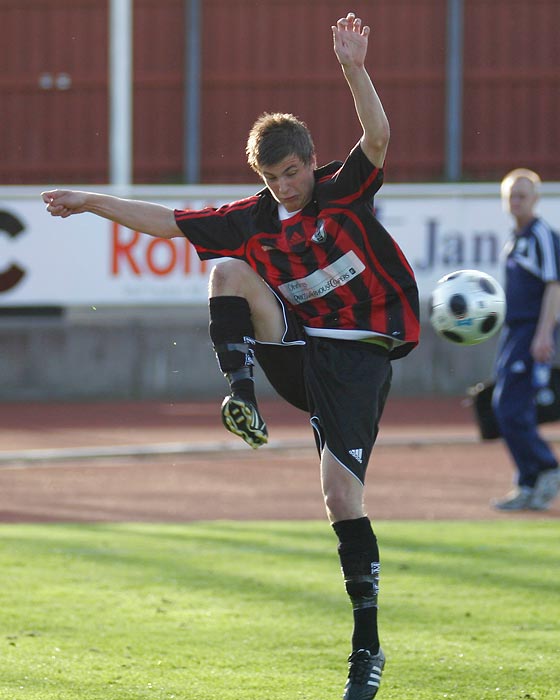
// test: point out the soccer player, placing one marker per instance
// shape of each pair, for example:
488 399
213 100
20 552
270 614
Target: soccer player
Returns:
321 295
527 343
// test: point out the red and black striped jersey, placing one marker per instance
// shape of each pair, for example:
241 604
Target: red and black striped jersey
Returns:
333 262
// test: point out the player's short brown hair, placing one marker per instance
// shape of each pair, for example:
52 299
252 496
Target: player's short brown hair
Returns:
518 174
274 136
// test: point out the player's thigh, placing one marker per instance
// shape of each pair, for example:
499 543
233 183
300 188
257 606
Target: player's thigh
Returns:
342 491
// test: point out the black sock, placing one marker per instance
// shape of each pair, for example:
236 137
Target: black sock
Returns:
232 334
359 559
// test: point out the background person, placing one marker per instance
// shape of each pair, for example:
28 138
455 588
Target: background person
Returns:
527 344
320 292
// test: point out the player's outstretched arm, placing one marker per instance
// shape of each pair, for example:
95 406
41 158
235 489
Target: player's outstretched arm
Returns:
146 217
350 40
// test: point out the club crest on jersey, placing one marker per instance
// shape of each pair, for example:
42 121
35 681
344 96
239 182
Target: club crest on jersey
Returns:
320 235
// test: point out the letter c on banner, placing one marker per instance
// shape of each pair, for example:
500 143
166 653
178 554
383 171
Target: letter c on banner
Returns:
12 275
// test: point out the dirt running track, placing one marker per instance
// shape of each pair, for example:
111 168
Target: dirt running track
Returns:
157 461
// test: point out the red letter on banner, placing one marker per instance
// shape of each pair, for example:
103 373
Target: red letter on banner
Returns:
123 250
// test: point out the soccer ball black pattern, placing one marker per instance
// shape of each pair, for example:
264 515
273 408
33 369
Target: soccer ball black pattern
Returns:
467 307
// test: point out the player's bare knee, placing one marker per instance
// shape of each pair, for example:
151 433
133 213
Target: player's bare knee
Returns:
229 278
341 505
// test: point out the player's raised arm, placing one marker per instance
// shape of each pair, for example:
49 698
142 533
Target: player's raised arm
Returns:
154 219
350 46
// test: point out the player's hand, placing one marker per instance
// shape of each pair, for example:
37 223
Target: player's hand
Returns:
64 203
350 40
543 347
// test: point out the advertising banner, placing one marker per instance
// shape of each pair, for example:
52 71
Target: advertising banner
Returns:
85 260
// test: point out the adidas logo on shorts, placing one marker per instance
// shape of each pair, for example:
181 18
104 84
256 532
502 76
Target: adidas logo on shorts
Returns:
357 454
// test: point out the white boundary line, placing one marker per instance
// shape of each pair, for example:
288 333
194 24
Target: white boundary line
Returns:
40 457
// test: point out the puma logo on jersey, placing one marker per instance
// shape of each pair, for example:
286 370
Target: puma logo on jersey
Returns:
357 454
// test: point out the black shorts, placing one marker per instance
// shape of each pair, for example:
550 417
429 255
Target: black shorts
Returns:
283 362
342 384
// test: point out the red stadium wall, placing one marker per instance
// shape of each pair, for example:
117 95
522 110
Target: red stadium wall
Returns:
276 55
511 87
53 91
159 50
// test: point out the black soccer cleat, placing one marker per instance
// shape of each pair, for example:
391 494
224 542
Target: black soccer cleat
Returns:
364 674
242 418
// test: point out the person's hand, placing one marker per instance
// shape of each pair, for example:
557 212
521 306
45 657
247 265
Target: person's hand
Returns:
350 40
542 347
64 203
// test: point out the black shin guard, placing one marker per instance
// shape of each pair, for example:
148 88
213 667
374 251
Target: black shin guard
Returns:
232 335
359 559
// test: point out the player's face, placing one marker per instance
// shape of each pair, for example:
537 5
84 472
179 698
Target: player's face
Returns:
290 181
522 200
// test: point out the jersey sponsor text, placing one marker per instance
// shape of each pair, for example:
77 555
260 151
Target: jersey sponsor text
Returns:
321 282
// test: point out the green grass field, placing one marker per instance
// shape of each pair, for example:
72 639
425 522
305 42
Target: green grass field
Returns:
257 611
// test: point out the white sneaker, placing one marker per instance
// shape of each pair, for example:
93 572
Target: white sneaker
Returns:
518 499
546 489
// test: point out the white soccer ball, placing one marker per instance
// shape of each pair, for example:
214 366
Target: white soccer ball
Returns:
467 307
